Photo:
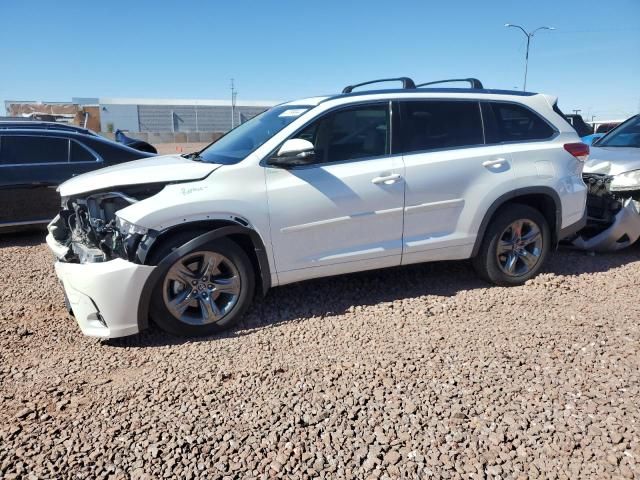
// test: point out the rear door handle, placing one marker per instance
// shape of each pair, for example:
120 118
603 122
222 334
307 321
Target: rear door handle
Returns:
495 164
387 179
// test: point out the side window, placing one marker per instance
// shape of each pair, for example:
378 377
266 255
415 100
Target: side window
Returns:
515 123
80 154
25 149
431 124
359 132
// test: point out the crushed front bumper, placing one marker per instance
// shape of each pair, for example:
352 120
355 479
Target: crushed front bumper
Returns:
623 232
103 296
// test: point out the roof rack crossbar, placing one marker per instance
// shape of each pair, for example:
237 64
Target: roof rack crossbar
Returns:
407 83
473 82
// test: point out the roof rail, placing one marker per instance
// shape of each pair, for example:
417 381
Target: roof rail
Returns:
406 83
473 82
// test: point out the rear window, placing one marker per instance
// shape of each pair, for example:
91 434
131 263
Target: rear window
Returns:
515 123
25 149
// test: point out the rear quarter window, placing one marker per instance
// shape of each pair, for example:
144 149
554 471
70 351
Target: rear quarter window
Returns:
511 122
112 153
80 154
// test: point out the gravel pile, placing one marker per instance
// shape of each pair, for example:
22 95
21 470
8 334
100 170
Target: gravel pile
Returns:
417 372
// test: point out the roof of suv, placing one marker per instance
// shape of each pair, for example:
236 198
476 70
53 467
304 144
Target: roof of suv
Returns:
318 100
409 86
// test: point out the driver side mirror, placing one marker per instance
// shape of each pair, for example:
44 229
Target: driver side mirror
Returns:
295 151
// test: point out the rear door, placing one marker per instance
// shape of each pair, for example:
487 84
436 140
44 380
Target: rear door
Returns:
447 167
31 168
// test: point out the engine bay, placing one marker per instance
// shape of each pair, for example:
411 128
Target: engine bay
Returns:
89 228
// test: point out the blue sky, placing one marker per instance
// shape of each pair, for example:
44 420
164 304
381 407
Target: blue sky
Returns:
55 50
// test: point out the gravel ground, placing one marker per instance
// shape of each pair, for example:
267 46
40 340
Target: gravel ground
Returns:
418 372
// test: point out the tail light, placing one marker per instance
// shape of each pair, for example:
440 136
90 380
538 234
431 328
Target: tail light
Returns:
578 150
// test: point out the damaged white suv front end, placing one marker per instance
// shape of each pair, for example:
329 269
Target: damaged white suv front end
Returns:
96 248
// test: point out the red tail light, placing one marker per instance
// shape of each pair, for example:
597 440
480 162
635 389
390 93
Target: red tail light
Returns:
578 150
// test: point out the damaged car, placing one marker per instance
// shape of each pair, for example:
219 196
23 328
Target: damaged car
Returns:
318 187
612 175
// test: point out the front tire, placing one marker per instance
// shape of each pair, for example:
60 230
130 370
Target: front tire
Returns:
515 246
204 291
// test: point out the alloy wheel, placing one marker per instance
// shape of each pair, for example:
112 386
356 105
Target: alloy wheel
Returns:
519 247
201 288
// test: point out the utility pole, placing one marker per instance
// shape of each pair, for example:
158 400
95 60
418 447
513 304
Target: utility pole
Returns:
576 111
234 94
529 36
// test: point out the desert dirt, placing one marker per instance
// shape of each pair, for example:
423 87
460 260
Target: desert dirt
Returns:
415 372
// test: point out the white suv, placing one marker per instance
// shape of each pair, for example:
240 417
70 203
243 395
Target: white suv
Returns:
316 187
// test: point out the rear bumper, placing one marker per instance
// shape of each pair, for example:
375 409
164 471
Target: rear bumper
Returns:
104 296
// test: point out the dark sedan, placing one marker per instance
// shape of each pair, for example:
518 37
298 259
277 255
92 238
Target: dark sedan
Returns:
34 162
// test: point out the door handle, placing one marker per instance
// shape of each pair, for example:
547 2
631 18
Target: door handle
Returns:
495 164
387 179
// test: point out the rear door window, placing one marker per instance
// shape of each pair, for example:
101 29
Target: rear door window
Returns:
432 125
515 123
29 150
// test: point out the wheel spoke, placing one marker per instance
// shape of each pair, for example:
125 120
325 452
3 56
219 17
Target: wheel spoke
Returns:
504 246
529 259
209 309
531 236
179 304
516 230
182 274
227 285
210 263
512 259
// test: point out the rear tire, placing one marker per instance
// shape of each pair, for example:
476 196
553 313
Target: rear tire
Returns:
515 246
205 291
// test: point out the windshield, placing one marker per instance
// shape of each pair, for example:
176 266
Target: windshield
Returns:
626 135
246 138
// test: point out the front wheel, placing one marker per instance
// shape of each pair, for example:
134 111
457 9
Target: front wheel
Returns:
514 247
204 291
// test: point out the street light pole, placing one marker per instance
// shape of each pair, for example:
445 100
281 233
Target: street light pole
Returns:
234 94
529 36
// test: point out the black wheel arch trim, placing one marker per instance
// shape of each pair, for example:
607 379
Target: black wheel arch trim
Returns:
506 198
165 264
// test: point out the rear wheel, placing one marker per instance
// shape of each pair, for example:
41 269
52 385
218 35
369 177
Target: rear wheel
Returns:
204 291
515 246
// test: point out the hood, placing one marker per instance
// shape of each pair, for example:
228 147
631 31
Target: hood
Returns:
162 169
612 160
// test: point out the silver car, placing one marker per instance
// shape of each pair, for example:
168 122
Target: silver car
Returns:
612 174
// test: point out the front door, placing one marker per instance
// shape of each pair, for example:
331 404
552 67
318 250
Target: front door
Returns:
343 212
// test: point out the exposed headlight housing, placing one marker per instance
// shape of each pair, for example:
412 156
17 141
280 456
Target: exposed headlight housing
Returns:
128 228
626 181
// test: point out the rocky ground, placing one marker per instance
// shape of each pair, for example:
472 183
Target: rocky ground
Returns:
421 372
